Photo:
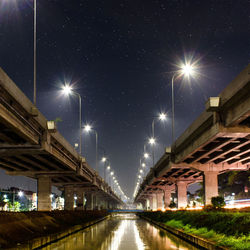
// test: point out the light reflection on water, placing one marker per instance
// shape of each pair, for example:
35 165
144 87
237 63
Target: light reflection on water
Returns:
121 232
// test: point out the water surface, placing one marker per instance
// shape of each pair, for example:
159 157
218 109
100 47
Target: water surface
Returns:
121 232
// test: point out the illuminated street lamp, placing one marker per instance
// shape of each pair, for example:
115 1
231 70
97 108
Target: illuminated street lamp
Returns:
162 117
146 155
152 141
88 129
67 90
186 69
104 160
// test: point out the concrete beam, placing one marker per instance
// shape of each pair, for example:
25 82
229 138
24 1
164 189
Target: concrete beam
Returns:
37 173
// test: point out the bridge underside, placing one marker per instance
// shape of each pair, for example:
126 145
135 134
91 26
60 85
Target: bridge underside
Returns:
30 147
216 142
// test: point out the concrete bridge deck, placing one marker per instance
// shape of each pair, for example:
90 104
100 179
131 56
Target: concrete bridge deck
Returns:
30 147
217 141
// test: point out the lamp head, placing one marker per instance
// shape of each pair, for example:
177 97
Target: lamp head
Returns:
151 141
146 155
87 128
162 116
67 89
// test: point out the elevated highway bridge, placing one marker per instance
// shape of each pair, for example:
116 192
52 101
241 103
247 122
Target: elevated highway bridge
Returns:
216 142
31 146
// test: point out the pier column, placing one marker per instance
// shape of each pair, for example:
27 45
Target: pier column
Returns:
159 198
43 193
151 205
154 202
69 197
95 205
210 185
147 204
89 202
182 194
167 198
80 198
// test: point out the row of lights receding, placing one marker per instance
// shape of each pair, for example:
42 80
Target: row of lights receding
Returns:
104 159
152 141
186 69
67 89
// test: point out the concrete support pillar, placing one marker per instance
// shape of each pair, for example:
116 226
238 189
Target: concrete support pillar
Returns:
69 198
210 185
89 202
80 198
154 202
105 204
95 206
159 198
167 198
182 194
147 204
151 202
43 193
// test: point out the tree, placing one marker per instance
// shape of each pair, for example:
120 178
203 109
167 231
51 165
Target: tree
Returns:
15 207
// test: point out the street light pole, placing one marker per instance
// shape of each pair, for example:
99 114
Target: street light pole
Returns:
153 146
173 128
34 97
80 123
68 90
96 150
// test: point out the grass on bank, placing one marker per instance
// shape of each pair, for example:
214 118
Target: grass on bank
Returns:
241 242
225 228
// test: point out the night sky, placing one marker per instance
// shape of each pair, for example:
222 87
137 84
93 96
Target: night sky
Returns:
120 56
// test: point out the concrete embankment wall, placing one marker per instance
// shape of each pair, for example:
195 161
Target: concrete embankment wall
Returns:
32 229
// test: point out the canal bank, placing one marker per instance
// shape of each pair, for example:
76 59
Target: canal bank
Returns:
209 229
28 230
201 243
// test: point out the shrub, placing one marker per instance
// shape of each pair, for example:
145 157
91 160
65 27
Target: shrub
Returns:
172 204
218 202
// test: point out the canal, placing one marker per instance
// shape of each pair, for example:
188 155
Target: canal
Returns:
123 232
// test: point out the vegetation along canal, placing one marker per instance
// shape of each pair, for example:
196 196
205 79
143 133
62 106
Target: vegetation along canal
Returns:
123 232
